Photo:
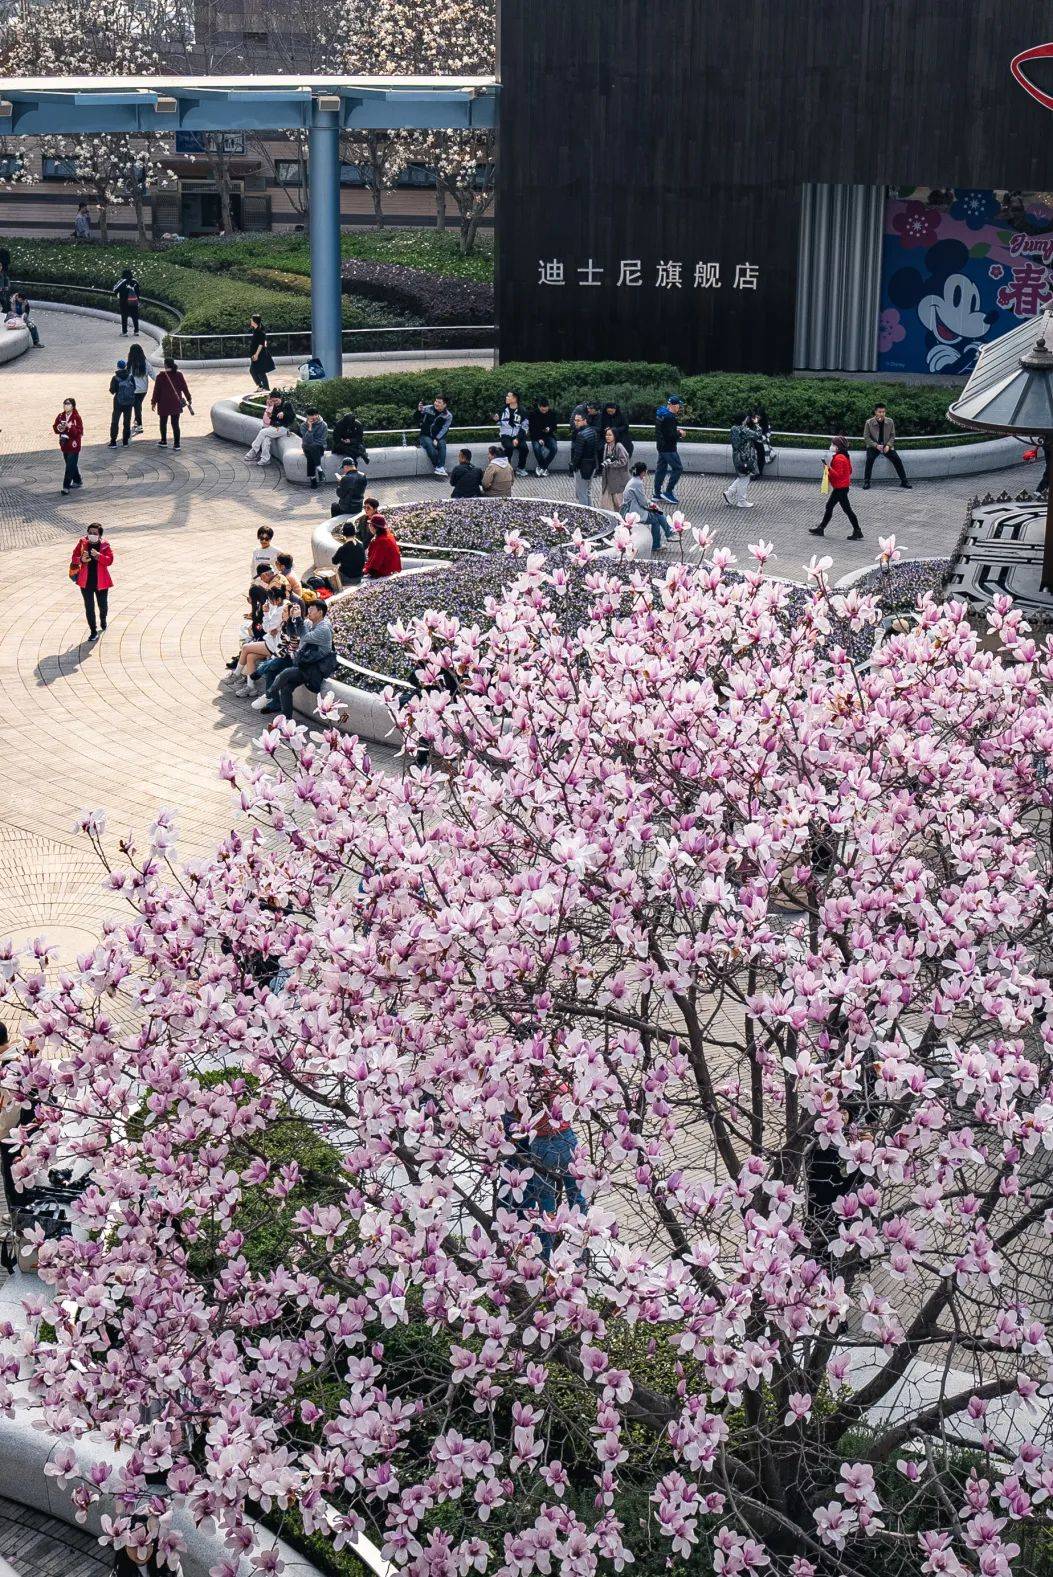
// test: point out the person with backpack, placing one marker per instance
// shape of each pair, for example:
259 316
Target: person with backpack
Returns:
261 362
170 399
127 292
140 374
122 387
70 429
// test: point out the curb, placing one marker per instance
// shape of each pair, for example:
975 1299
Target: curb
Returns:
149 330
15 343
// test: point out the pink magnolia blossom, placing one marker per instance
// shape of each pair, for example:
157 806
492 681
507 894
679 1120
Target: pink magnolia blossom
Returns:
655 1074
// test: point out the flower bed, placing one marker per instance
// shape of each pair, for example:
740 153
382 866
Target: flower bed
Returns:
481 524
425 296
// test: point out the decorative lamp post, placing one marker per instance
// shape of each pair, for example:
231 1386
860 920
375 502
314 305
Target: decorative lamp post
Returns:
1011 391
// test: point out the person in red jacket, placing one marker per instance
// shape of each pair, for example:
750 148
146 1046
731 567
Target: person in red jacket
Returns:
70 428
383 556
168 399
840 469
90 568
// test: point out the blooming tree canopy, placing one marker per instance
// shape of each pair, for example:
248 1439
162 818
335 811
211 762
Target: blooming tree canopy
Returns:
766 933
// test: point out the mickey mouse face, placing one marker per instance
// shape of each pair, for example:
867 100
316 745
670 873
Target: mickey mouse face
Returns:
956 312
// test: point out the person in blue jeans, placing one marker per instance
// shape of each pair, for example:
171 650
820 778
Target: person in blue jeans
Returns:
636 502
667 435
550 1152
435 420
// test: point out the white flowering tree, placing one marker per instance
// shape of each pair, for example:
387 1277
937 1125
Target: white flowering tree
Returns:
71 37
641 1161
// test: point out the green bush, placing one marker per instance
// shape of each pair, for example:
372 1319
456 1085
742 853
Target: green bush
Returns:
437 251
475 393
798 405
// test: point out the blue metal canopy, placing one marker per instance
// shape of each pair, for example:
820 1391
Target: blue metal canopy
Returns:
38 106
322 106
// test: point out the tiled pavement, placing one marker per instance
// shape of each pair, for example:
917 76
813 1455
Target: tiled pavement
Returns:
138 721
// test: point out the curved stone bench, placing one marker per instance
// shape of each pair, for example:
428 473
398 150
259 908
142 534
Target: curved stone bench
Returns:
14 343
996 454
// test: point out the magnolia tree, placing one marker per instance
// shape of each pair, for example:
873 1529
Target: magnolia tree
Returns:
643 1153
71 38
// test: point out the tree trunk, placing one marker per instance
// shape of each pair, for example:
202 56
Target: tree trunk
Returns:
376 191
104 221
469 231
221 167
137 201
440 206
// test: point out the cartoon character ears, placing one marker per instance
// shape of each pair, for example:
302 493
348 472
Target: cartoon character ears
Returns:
946 258
906 288
908 285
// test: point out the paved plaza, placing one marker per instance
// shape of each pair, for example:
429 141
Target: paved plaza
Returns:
139 721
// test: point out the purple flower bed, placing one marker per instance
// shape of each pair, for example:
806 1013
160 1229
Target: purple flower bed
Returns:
482 524
430 298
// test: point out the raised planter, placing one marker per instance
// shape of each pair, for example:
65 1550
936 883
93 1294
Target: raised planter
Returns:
711 459
14 343
148 331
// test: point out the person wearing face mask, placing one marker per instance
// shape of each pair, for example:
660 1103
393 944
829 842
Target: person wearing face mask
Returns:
70 429
90 569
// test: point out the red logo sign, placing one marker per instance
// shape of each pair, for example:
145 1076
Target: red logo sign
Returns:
1016 66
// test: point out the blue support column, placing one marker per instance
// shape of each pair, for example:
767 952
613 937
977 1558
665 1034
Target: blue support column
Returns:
323 142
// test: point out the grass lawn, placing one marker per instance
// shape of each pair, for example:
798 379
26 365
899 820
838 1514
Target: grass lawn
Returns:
211 287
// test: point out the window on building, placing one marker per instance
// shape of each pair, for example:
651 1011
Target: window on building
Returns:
289 172
417 175
11 166
58 169
352 175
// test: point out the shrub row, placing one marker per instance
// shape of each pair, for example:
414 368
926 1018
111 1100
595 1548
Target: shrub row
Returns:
804 405
434 251
475 393
425 297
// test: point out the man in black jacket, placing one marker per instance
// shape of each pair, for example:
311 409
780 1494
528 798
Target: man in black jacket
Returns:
350 490
583 454
541 421
349 437
466 479
127 292
350 557
613 417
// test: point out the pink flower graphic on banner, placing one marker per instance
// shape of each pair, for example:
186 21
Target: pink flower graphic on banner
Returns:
995 271
917 225
890 329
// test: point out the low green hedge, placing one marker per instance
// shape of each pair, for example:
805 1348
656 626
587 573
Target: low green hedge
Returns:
437 251
822 406
475 393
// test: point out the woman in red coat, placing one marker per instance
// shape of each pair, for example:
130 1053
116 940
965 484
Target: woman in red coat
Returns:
840 469
70 429
168 400
382 556
90 568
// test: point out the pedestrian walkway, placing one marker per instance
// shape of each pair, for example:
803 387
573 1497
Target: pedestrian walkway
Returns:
139 721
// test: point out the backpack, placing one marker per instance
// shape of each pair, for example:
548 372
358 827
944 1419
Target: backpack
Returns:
311 370
125 391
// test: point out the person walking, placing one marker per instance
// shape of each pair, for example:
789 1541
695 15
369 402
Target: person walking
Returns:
69 426
879 434
140 374
635 501
435 423
840 473
127 292
466 479
541 423
667 435
82 223
614 469
261 362
122 388
90 569
170 398
744 460
499 477
762 438
313 435
583 456
512 430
